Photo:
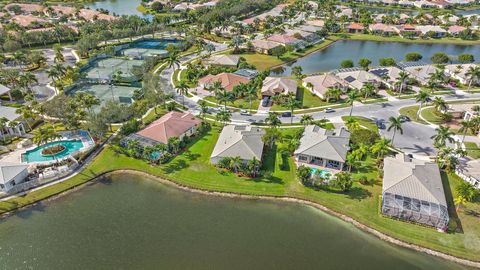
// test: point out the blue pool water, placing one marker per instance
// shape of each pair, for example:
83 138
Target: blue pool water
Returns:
323 173
35 155
154 43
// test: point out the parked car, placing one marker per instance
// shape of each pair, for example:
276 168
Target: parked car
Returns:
287 114
265 101
244 112
404 118
329 110
380 124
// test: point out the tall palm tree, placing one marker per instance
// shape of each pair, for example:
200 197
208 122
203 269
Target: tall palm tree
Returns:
306 119
253 166
402 80
439 104
473 75
443 135
423 98
334 93
352 96
251 94
235 163
369 90
272 120
396 125
381 147
467 125
182 88
223 117
292 102
173 61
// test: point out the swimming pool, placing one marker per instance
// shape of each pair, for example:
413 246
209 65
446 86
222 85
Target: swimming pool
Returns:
35 155
321 173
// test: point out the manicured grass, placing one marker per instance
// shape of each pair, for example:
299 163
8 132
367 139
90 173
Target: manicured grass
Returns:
192 168
362 121
238 103
473 150
369 37
432 116
412 113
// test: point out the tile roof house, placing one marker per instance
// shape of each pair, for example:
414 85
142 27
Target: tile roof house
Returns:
389 75
381 29
92 15
12 174
172 124
317 23
27 20
460 71
435 30
265 46
228 81
222 60
26 8
323 148
421 73
239 141
455 30
321 83
358 77
62 10
285 40
407 30
273 86
412 190
354 28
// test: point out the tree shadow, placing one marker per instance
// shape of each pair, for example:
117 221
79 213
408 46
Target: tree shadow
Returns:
176 165
191 156
452 212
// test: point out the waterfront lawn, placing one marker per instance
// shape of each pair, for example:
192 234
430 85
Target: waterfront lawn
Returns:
193 169
369 37
472 150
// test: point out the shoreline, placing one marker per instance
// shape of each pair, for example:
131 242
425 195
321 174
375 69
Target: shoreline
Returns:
171 183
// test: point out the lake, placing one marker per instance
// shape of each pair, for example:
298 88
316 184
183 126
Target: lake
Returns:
119 7
128 222
331 57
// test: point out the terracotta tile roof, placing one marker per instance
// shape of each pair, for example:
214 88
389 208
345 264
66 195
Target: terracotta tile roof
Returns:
27 20
456 29
172 124
283 39
355 26
65 10
28 8
228 80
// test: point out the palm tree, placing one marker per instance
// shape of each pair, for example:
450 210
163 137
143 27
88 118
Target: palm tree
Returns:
352 124
173 61
422 97
253 165
402 79
272 120
251 94
381 147
3 125
27 113
467 125
473 75
292 103
306 119
182 88
396 125
174 145
223 117
235 163
443 135
352 161
352 97
439 104
203 109
334 93
369 89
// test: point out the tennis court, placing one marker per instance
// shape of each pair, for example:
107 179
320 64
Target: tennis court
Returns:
105 69
105 92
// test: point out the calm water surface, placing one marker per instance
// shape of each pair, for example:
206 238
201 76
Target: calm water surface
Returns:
331 57
119 7
133 223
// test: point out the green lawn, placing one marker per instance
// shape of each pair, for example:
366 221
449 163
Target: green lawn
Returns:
432 116
472 150
238 103
362 121
308 100
412 113
192 169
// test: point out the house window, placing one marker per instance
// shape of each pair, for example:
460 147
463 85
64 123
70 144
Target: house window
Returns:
303 158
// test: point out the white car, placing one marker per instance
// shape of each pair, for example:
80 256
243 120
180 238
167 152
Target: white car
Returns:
329 110
244 112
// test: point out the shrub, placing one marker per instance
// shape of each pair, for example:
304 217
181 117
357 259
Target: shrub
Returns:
364 136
